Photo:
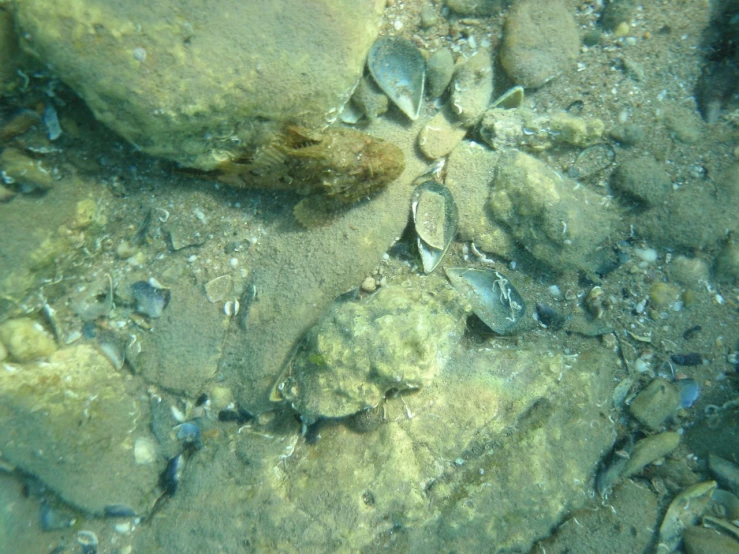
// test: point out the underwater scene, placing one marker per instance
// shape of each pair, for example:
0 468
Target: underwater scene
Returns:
362 276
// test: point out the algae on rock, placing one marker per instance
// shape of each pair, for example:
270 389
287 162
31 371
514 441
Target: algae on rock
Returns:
399 338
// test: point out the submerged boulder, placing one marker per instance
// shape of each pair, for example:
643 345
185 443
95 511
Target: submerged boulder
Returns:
201 85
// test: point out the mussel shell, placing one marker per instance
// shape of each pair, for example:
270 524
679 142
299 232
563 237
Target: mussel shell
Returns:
510 99
150 300
399 69
491 295
592 161
435 220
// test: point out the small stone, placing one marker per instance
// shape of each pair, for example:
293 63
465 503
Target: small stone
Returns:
370 100
621 30
369 285
627 134
577 131
684 125
617 12
26 340
125 250
28 173
656 403
220 397
475 7
85 212
439 72
9 57
690 272
592 38
661 295
649 450
473 88
540 41
429 17
701 540
144 451
727 263
441 135
643 180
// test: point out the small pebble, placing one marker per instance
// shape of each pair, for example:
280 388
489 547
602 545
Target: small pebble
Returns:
648 255
369 285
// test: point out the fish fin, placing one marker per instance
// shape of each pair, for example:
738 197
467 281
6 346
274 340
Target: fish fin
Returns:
318 211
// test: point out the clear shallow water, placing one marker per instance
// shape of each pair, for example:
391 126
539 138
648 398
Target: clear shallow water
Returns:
502 442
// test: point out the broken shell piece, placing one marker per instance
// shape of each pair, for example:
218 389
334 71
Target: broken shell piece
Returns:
217 289
112 348
596 302
510 99
150 298
399 69
490 294
435 220
684 511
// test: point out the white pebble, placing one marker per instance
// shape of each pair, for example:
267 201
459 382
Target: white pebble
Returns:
554 291
648 255
144 451
123 528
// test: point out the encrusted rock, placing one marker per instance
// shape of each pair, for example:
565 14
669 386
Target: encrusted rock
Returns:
26 339
560 223
399 338
642 179
656 403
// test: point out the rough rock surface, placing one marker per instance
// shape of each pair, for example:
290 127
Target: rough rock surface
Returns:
558 222
642 179
72 422
198 85
499 438
399 338
192 349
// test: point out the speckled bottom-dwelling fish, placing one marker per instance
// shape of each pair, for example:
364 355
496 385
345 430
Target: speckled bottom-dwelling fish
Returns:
334 169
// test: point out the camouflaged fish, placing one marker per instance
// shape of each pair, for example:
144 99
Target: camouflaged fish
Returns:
334 169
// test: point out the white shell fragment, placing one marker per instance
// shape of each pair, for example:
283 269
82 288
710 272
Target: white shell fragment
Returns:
510 99
217 289
144 451
399 69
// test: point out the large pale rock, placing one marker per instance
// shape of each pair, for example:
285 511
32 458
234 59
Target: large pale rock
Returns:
183 80
499 438
73 422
